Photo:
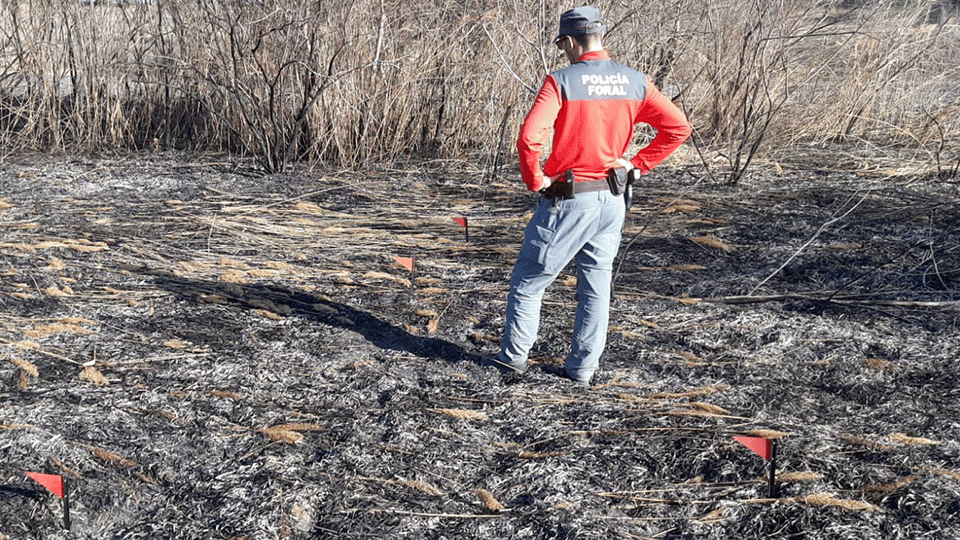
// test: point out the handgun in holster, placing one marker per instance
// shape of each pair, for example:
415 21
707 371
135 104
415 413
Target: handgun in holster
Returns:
562 188
621 182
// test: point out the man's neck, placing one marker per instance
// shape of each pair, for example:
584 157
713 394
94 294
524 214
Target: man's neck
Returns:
577 51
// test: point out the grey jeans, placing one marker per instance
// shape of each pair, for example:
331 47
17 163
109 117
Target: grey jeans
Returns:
586 228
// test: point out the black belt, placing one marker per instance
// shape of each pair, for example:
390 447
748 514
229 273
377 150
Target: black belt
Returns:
568 188
588 186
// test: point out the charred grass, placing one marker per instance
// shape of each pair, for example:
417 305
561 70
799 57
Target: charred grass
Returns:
205 352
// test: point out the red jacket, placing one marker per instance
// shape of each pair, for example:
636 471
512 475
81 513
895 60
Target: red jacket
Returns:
592 106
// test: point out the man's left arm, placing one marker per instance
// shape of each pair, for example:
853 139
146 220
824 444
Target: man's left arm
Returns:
671 124
535 131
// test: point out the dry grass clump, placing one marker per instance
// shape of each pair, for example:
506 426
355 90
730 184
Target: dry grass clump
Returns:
711 242
289 433
489 501
26 366
422 487
464 414
799 476
93 375
912 441
110 457
827 499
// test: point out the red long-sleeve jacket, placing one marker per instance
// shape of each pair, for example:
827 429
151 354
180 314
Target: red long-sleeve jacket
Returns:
592 106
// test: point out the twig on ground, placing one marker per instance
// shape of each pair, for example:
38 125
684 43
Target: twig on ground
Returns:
45 353
822 228
829 297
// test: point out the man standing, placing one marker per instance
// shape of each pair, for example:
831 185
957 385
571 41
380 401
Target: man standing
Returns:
592 107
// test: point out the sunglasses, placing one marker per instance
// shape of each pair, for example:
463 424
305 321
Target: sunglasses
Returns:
559 41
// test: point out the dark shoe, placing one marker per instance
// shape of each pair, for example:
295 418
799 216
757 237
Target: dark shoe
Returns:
504 367
564 374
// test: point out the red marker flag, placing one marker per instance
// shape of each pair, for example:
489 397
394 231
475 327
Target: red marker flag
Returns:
463 223
406 262
762 447
53 482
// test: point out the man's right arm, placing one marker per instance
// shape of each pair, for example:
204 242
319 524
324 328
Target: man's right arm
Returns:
671 125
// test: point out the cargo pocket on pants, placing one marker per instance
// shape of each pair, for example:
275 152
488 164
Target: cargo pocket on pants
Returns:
540 235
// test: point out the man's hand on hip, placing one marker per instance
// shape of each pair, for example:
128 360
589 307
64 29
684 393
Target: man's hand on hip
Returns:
549 181
545 183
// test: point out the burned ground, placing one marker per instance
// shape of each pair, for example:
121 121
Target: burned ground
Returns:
204 352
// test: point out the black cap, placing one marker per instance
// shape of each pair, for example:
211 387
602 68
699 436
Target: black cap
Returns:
580 21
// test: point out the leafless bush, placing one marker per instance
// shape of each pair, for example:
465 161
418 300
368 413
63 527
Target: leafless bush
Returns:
260 72
766 77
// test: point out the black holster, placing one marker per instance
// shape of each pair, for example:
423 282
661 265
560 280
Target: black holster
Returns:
621 183
562 188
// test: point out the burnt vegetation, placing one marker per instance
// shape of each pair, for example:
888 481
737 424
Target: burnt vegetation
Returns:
204 328
206 353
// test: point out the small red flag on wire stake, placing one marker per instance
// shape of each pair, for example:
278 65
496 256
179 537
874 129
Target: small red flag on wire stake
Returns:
57 485
466 229
767 449
407 262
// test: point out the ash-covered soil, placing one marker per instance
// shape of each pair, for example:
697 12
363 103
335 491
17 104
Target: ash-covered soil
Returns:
204 352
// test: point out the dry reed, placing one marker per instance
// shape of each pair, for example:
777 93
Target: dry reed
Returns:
352 84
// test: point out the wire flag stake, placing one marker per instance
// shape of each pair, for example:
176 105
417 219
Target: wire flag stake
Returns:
767 449
57 485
